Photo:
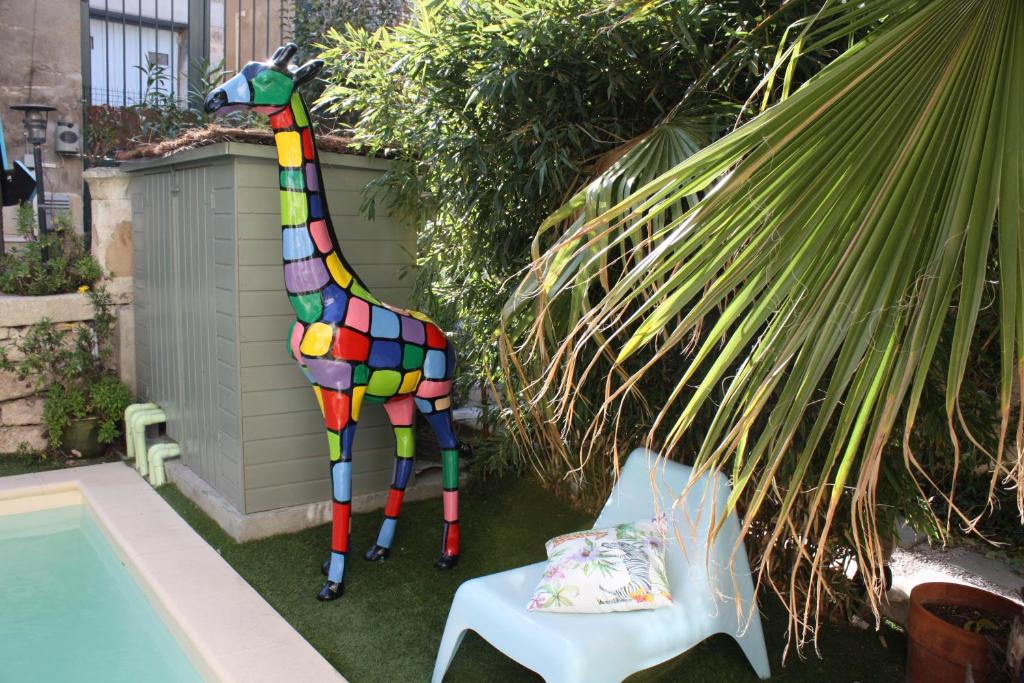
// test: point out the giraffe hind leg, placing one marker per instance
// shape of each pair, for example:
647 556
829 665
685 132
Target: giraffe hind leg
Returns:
444 428
402 415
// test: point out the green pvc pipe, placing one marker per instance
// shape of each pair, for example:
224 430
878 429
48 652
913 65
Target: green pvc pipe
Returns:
129 431
140 422
132 433
158 453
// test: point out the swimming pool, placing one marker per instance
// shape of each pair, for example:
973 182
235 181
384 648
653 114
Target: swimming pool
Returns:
69 610
100 580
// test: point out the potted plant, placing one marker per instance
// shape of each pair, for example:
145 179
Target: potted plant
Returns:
958 633
84 400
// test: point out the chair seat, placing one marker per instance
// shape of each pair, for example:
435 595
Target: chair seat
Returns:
611 646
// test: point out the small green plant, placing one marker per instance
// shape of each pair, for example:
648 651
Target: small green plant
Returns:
106 398
66 268
161 114
70 366
25 452
110 130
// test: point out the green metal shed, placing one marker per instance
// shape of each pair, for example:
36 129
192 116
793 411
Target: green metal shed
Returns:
211 318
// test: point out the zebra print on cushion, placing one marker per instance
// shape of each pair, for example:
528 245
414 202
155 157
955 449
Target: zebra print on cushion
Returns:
617 569
638 567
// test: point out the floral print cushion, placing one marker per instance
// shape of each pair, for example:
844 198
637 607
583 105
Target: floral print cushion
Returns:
618 569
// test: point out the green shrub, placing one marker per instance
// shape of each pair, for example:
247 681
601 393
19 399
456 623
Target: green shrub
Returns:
495 111
70 366
67 267
314 19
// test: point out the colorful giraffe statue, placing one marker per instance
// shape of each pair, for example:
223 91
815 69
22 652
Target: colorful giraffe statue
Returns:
352 348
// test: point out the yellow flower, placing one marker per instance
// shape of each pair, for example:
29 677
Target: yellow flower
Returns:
83 289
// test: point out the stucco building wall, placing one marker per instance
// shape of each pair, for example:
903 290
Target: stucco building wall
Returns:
43 64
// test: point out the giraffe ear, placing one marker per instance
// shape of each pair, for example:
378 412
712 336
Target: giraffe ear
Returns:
308 71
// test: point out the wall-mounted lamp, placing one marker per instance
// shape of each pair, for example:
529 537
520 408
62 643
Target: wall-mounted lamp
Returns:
36 117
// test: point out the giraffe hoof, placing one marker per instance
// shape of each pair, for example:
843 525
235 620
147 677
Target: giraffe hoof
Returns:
377 553
325 568
330 591
447 562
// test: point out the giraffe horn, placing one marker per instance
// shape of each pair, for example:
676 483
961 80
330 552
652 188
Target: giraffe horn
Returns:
284 54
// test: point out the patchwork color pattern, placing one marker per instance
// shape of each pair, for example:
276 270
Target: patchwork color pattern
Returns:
351 346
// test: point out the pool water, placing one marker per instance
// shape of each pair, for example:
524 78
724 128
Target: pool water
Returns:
69 610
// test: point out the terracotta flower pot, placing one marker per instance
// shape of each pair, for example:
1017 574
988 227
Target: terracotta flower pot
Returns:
939 652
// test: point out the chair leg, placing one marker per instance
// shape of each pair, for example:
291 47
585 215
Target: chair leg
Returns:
450 642
753 646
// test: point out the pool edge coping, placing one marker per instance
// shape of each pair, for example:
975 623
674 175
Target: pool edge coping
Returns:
228 631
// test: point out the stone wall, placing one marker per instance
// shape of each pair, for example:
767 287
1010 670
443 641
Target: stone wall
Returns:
112 248
20 409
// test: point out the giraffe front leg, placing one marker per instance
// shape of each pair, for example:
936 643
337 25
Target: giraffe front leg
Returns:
339 418
401 413
443 426
326 567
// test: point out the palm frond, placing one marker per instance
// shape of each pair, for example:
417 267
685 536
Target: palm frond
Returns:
807 288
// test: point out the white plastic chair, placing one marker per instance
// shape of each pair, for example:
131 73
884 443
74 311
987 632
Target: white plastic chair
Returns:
706 585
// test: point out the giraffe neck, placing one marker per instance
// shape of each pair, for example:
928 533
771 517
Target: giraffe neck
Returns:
313 261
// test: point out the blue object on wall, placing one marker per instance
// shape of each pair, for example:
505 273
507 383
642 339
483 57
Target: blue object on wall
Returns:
17 183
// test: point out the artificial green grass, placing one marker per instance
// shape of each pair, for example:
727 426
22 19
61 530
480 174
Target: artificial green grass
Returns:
388 625
17 463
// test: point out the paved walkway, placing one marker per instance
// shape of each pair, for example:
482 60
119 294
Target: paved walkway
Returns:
921 563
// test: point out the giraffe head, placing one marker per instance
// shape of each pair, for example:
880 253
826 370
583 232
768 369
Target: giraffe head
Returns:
264 87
